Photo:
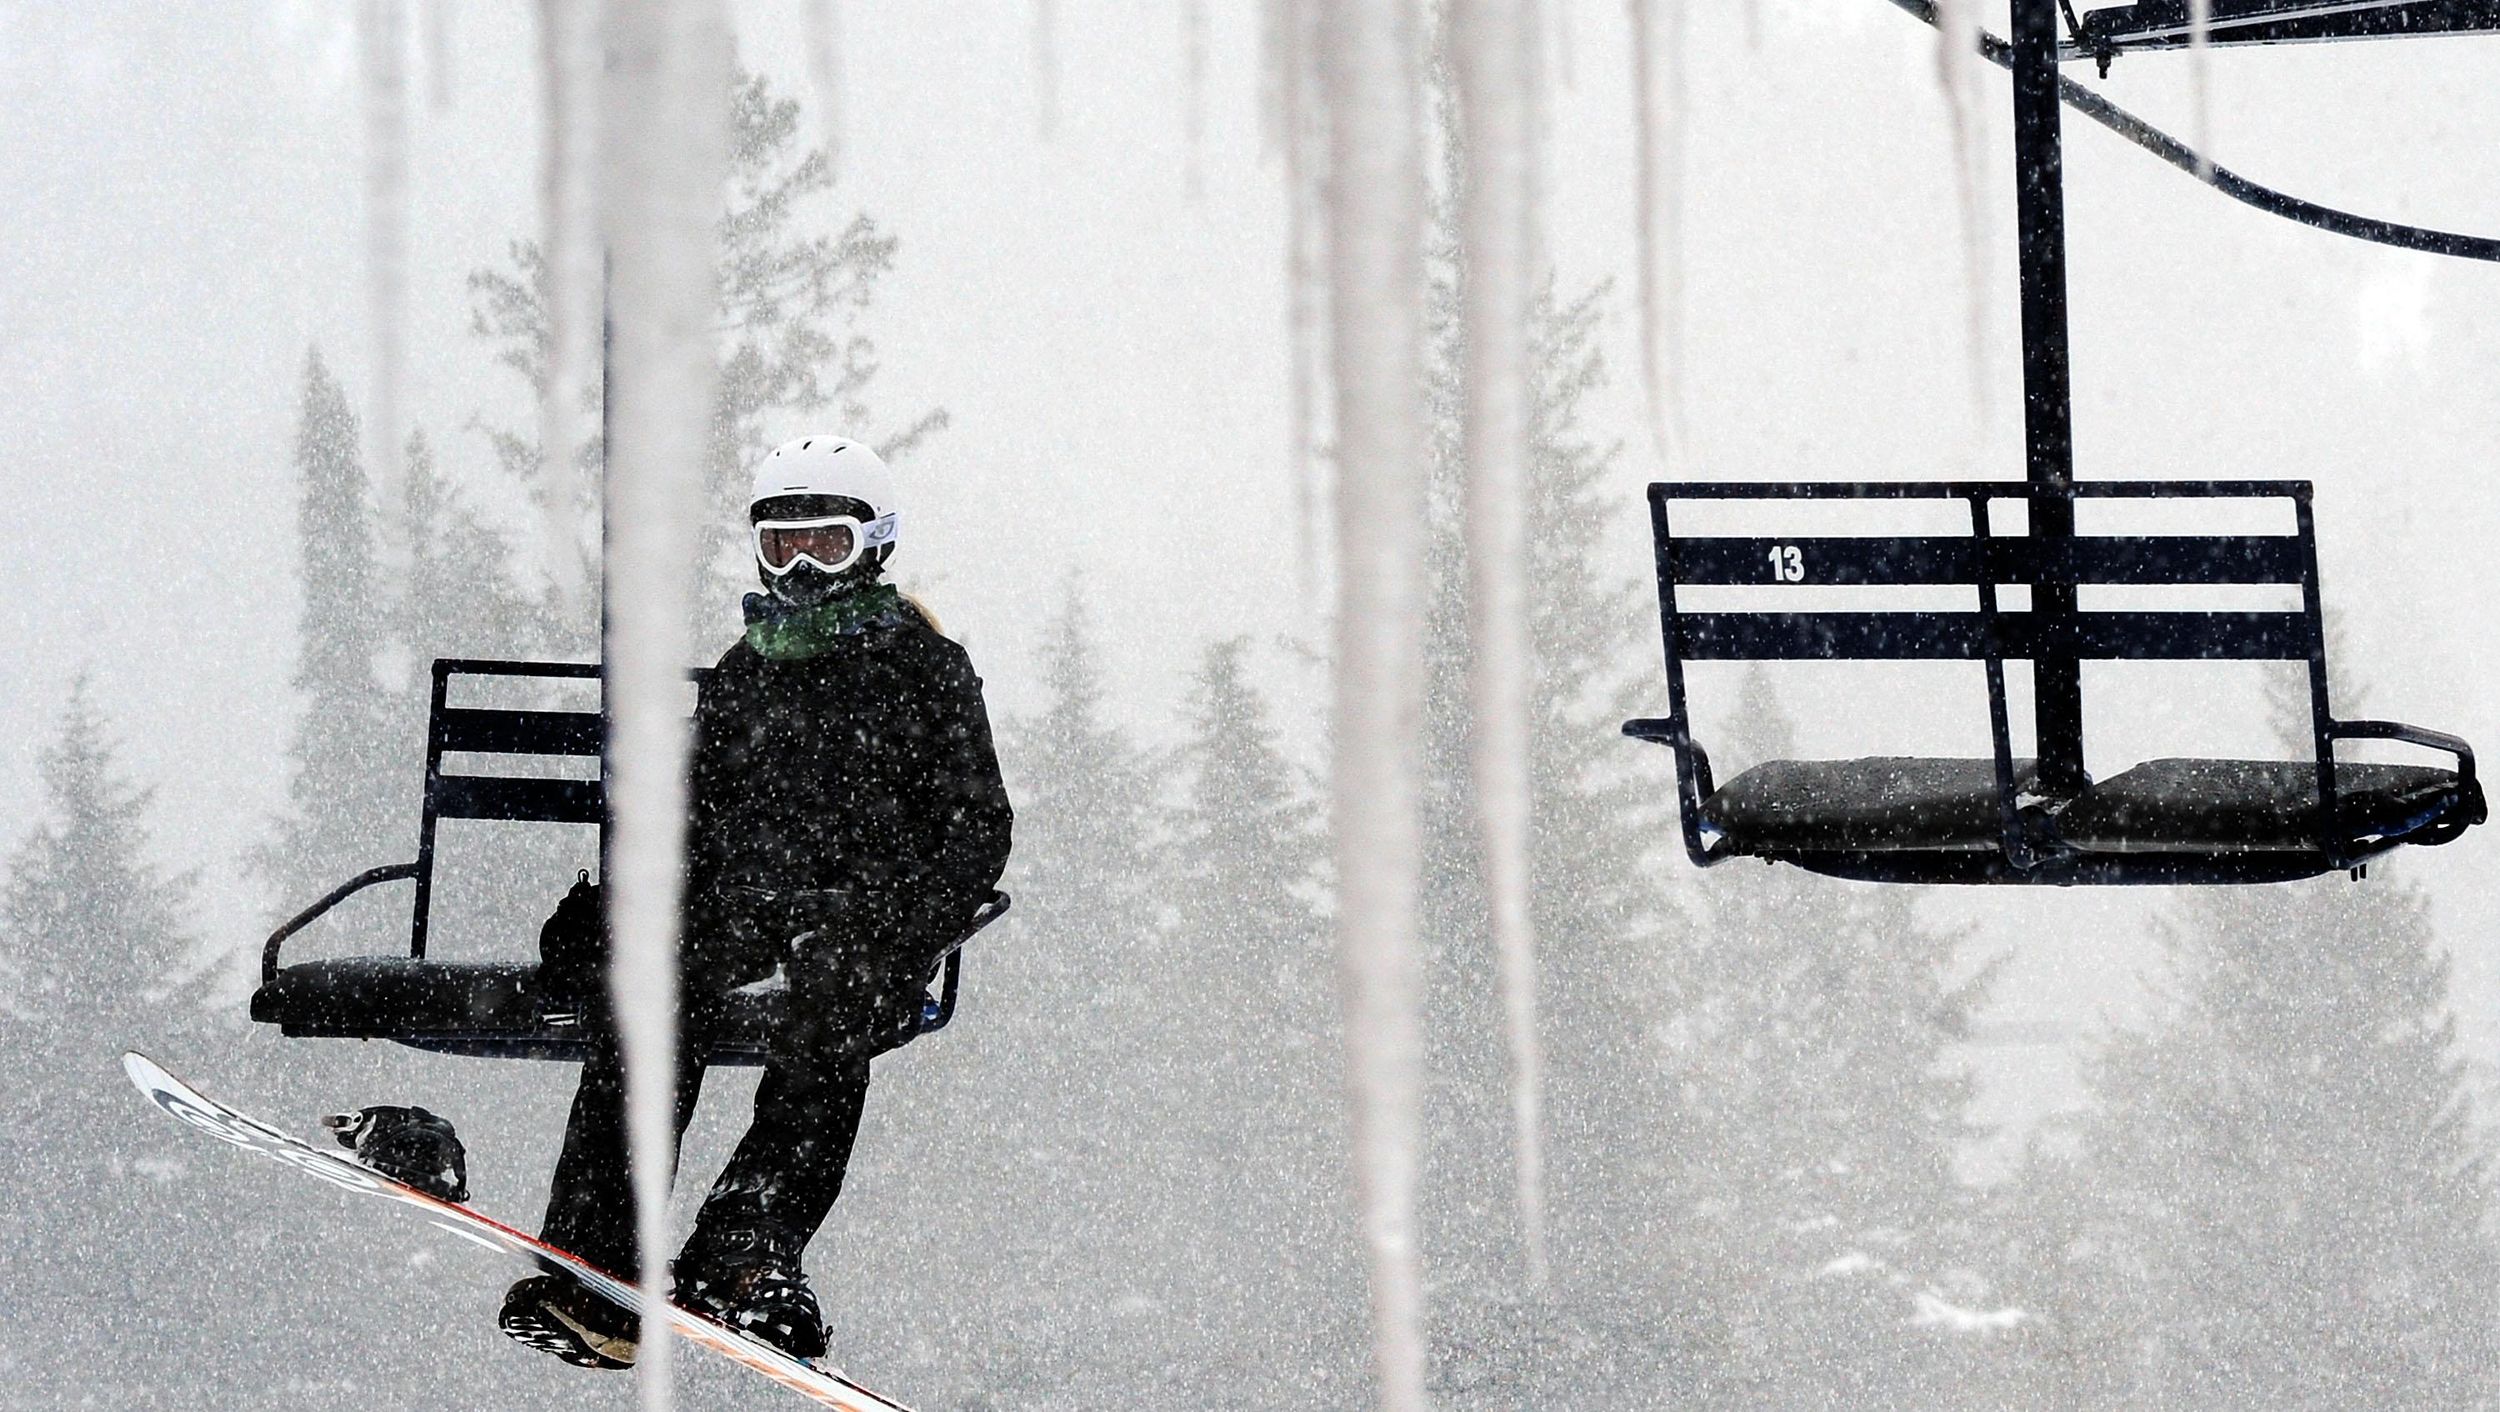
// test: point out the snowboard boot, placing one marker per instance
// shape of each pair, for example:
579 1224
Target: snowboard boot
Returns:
748 1278
406 1144
557 1314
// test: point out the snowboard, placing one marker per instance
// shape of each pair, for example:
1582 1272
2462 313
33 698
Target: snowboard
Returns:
816 1381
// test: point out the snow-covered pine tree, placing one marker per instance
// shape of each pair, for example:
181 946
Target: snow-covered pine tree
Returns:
1084 794
1600 914
794 294
1083 875
462 601
1255 1066
347 794
792 298
1825 1250
1603 913
1038 1108
98 934
2278 1197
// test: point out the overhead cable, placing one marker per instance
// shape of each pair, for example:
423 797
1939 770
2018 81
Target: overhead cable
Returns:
2226 181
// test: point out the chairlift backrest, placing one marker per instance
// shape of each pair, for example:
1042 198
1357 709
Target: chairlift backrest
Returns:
473 730
1987 561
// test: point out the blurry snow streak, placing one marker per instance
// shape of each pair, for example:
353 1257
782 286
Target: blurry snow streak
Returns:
382 41
1934 1310
2200 89
665 153
1501 116
435 20
1046 67
1566 43
1856 1262
1957 75
569 61
1279 49
1375 263
824 68
1292 45
1658 216
1928 1308
1194 91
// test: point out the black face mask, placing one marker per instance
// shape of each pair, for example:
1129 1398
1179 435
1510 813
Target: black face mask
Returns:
806 586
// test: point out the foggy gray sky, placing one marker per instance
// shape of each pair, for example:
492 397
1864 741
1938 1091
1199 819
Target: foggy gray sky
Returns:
184 216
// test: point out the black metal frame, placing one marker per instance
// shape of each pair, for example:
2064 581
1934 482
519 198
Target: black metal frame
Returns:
2053 631
540 732
2104 34
488 732
2049 559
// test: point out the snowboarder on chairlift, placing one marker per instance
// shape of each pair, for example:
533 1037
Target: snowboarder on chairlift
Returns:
848 819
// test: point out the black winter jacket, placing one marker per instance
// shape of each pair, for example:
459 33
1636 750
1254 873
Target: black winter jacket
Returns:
865 770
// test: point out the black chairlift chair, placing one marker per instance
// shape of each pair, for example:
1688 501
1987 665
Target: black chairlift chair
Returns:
496 1009
1995 819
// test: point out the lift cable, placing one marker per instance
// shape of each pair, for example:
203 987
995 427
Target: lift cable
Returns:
2230 183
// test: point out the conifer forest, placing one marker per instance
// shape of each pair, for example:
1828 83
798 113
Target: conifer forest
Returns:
1311 418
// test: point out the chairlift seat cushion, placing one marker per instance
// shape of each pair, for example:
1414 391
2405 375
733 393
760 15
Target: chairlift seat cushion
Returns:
363 995
2255 806
1882 804
466 1007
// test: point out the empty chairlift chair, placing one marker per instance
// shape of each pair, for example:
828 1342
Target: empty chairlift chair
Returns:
497 1008
1998 818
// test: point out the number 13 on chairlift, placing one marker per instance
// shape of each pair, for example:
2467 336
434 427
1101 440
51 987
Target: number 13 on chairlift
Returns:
1788 563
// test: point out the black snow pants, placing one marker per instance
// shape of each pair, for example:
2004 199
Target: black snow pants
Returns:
788 1168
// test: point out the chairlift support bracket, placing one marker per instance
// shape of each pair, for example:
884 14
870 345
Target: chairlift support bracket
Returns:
2104 34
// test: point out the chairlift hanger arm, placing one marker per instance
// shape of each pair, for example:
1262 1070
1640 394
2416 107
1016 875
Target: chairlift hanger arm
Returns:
2226 181
394 872
2167 24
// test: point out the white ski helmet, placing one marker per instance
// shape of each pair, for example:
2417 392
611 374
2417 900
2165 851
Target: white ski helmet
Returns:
825 516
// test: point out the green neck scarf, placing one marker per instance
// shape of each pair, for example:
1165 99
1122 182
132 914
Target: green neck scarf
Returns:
780 633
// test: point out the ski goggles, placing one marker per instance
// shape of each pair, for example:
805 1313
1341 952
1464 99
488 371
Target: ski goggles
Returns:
830 543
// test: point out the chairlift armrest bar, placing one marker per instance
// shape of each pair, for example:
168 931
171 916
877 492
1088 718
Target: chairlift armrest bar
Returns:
950 978
2410 735
1662 730
952 967
1694 782
982 916
988 912
269 951
1672 732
